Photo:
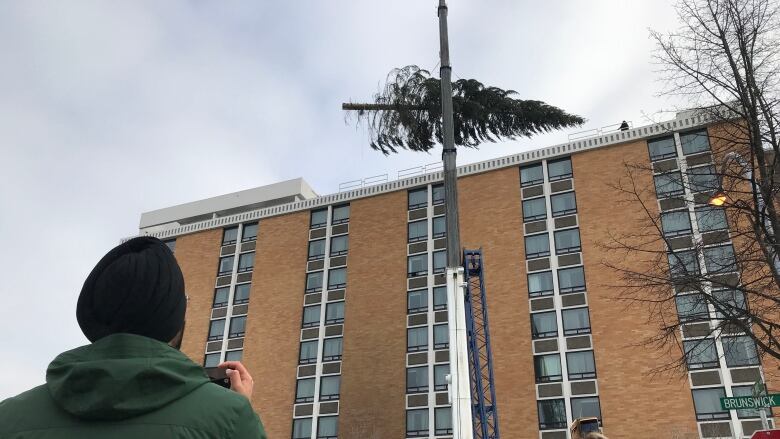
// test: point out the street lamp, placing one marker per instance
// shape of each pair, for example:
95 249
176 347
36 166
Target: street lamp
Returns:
717 199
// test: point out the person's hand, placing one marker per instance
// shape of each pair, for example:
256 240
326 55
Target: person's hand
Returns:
240 379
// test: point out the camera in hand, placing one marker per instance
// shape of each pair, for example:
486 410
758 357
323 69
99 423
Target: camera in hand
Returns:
218 376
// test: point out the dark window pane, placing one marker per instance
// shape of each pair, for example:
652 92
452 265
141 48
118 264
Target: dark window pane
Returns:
439 261
559 169
329 387
249 232
439 298
748 413
316 249
417 265
729 304
311 316
417 423
563 204
544 324
308 352
304 391
703 179
339 245
242 294
691 307
739 351
229 235
439 227
552 414
537 246
341 214
540 284
576 321
683 263
328 427
676 223
443 420
695 142
221 297
571 280
567 241
237 327
720 259
313 281
418 198
211 360
580 365
217 329
707 404
700 354
662 148
534 209
531 175
246 262
440 372
418 231
234 355
711 218
319 218
302 428
441 336
337 278
668 185
585 408
226 265
417 301
417 379
438 193
332 349
334 313
547 368
417 339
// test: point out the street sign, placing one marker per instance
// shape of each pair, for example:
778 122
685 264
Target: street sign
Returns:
750 402
766 434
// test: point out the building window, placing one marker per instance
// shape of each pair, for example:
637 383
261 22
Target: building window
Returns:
418 198
221 297
234 355
441 336
237 327
534 209
230 235
314 281
552 414
329 388
438 194
311 316
676 223
316 249
416 301
683 263
340 214
417 423
586 408
319 218
729 304
249 232
328 427
440 372
559 169
547 368
571 280
531 175
691 307
537 246
668 185
711 218
241 294
339 245
225 265
439 261
703 179
417 265
301 428
700 354
544 325
211 360
308 352
748 413
576 321
334 313
720 259
439 298
417 379
567 241
417 339
739 351
304 391
580 365
418 231
246 262
333 349
540 284
563 204
662 148
707 404
694 142
337 278
171 243
443 420
439 227
217 329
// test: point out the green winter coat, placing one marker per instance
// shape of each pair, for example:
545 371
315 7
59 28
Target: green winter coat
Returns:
127 386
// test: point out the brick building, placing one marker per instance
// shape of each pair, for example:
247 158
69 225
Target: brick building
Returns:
336 303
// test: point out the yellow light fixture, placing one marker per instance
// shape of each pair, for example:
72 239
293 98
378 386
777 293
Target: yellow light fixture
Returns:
718 199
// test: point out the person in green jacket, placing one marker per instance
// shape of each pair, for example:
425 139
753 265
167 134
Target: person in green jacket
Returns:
132 381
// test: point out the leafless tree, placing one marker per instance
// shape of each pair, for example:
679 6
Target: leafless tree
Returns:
706 270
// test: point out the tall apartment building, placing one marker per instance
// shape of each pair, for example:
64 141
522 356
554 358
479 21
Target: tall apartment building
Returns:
337 303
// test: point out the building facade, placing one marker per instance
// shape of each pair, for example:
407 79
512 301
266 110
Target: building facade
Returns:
337 303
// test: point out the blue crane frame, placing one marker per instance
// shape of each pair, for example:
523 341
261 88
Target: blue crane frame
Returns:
483 392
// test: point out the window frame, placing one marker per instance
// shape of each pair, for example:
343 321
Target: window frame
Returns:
336 221
441 431
538 254
299 399
211 355
420 347
232 259
578 399
318 225
308 360
674 233
552 425
438 306
717 267
410 274
330 396
567 250
746 362
420 238
221 336
418 433
704 210
709 416
697 314
241 258
233 320
540 293
440 387
419 205
317 288
304 421
304 323
575 331
340 285
434 200
535 181
224 235
417 389
317 256
244 228
414 310
441 344
576 376
541 379
547 334
320 423
662 156
336 357
695 133
573 289
338 238
442 219
215 304
570 174
236 299
670 194
700 365
439 260
537 217
334 305
564 212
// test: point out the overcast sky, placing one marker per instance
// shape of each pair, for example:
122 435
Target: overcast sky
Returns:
113 108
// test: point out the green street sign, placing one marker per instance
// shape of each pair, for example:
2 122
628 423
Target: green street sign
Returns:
750 402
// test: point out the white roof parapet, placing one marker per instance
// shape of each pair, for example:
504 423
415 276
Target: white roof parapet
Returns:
682 122
264 196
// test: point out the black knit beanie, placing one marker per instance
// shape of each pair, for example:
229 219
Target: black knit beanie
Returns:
136 288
